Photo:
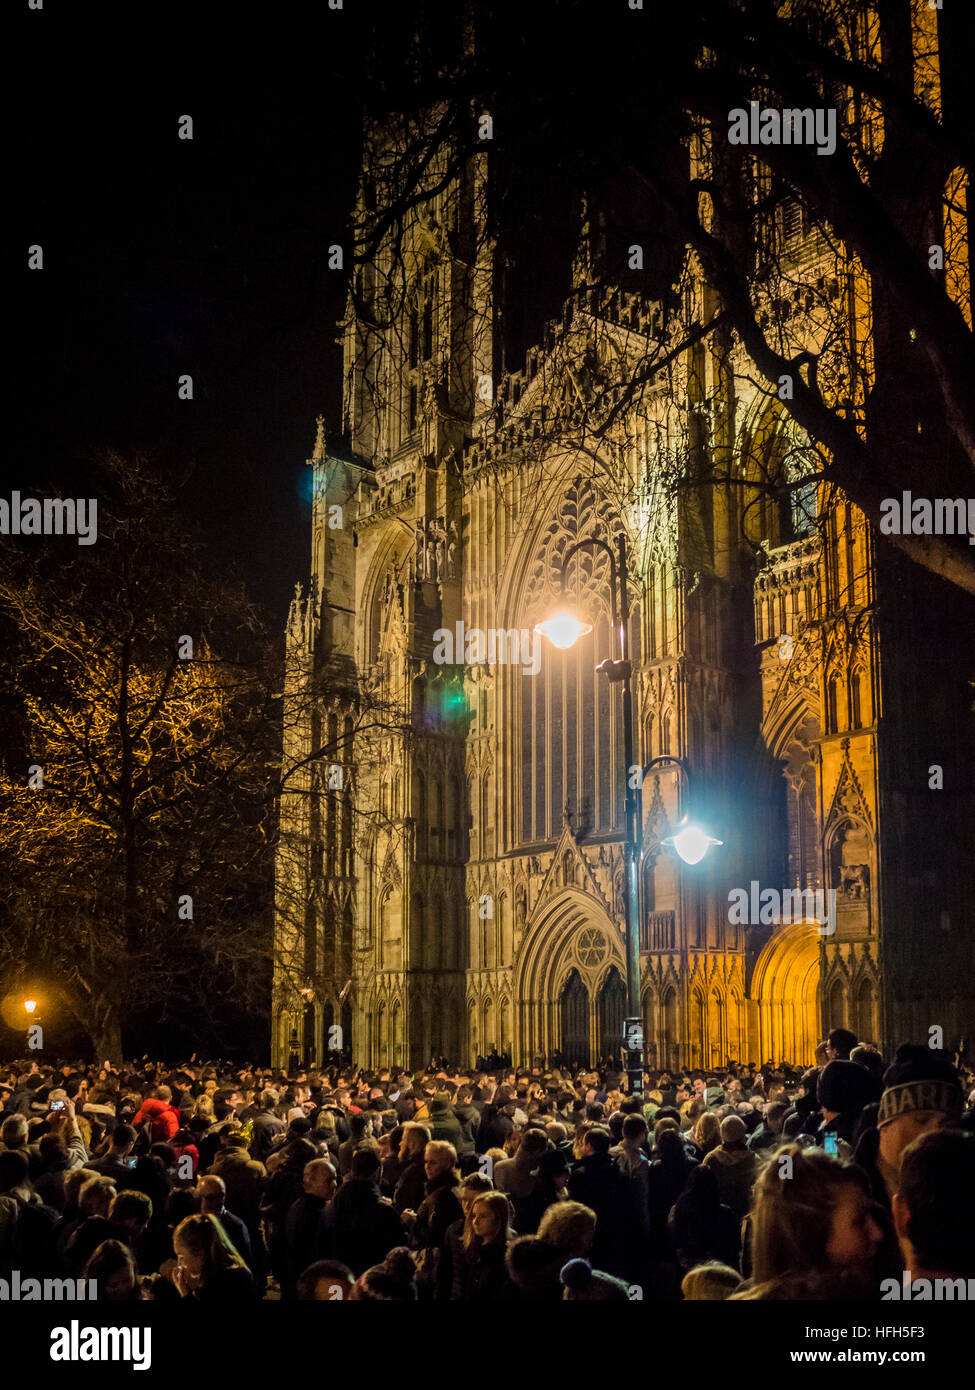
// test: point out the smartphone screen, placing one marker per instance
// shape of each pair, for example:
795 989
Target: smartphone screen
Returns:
57 1104
831 1144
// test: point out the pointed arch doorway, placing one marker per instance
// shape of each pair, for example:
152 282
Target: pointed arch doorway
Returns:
574 1013
611 1005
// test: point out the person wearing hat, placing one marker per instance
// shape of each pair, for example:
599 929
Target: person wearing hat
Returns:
842 1091
580 1281
735 1166
921 1094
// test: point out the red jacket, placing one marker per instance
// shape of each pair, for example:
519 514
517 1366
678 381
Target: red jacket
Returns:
163 1119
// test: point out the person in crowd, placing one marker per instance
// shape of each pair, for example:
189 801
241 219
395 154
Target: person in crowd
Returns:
281 1188
517 1176
921 1093
439 1208
469 1119
305 1237
94 1203
266 1127
325 1281
157 1111
842 1092
411 1183
212 1196
734 1165
580 1281
705 1135
769 1132
111 1272
534 1266
934 1206
711 1282
392 1281
597 1183
443 1124
840 1042
243 1179
702 1228
551 1186
117 1162
480 1275
813 1226
359 1226
571 1228
452 1253
208 1269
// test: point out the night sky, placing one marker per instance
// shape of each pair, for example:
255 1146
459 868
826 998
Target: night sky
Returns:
164 256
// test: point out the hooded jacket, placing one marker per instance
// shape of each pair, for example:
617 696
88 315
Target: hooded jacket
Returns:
736 1167
469 1119
443 1124
163 1119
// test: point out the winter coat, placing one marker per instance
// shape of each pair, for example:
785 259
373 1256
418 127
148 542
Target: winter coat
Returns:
469 1120
598 1183
410 1185
480 1275
243 1179
439 1208
361 1227
736 1168
304 1239
699 1234
163 1119
444 1125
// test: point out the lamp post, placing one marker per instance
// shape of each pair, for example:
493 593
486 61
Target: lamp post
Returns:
564 629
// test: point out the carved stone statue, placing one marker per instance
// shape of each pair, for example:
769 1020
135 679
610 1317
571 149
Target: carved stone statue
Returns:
421 553
452 551
438 538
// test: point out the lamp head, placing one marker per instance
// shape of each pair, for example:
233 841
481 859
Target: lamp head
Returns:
563 629
691 842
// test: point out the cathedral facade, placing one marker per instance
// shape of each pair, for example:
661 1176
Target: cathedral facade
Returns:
450 872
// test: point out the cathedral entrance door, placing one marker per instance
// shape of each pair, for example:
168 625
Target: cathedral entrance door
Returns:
574 1007
612 1011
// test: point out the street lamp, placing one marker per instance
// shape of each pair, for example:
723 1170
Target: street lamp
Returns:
30 1005
690 840
563 629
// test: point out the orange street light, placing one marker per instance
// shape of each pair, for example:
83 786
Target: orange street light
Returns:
563 629
30 1005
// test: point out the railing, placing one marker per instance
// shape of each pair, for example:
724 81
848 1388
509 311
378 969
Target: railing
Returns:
658 931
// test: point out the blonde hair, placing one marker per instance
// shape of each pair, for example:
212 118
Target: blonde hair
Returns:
204 1107
500 1209
569 1225
415 1139
95 1196
706 1132
710 1282
443 1151
206 1236
791 1221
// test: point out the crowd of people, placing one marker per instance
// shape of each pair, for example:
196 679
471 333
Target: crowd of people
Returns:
222 1184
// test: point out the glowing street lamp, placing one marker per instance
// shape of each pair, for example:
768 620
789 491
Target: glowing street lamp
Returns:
30 1005
691 842
563 629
